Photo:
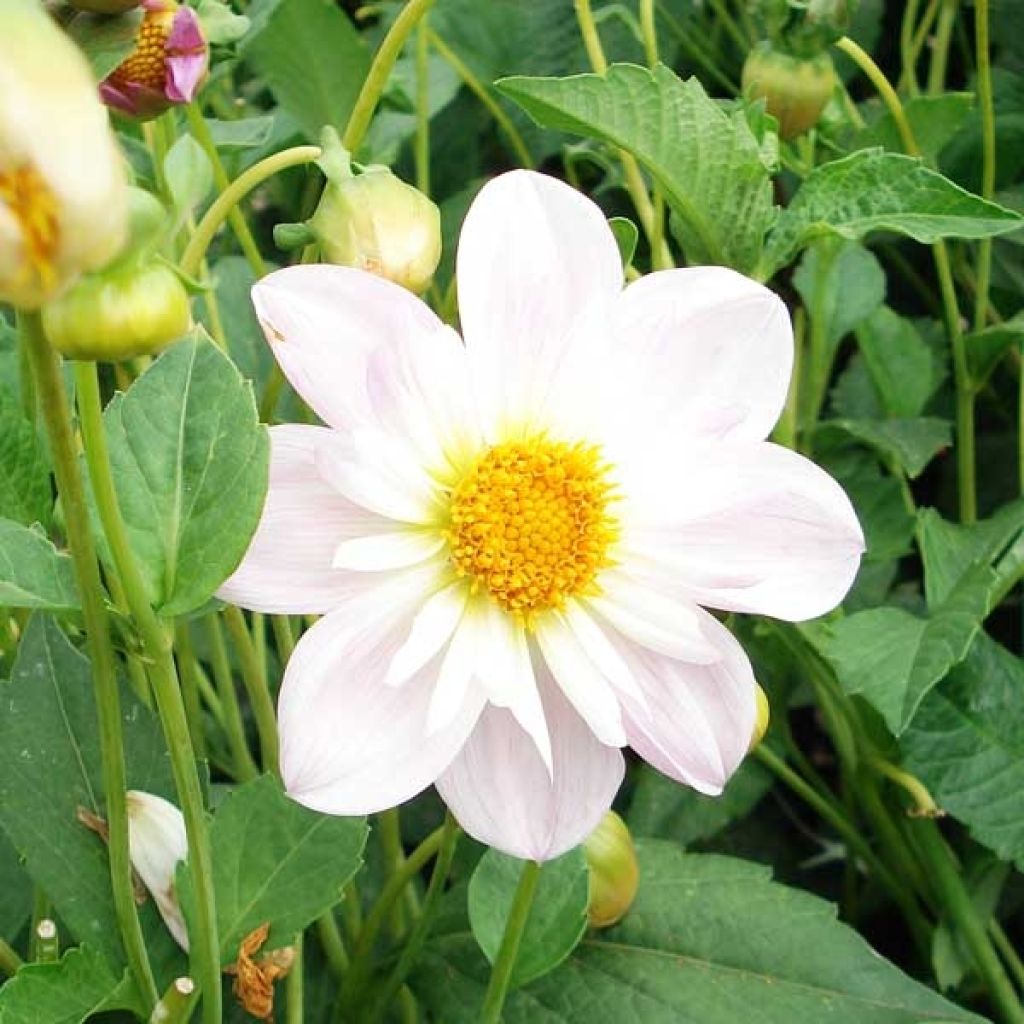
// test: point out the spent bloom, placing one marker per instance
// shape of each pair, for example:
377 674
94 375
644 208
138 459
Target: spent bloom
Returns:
512 539
63 201
168 63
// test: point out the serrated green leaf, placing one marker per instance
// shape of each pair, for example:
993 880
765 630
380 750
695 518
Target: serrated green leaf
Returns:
275 861
911 444
190 461
899 362
558 915
313 59
33 573
50 765
78 985
876 191
966 744
25 492
709 940
708 162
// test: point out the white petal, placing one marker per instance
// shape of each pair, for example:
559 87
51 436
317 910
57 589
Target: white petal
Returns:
601 651
501 793
387 550
455 675
431 630
535 258
585 687
287 568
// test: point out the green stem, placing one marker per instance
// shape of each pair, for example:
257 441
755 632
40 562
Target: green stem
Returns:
380 70
957 901
728 22
786 430
908 75
686 40
924 803
176 1004
189 673
431 904
9 959
256 686
53 406
940 47
422 144
988 153
164 678
283 637
332 944
390 830
293 986
508 951
245 767
233 195
1007 951
201 133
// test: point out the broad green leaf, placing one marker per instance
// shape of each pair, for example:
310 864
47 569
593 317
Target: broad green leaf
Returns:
966 744
934 120
106 41
881 506
244 133
68 991
15 891
558 916
710 940
662 808
986 347
275 861
899 361
33 573
314 61
911 444
25 493
190 462
708 162
189 174
871 190
221 26
50 766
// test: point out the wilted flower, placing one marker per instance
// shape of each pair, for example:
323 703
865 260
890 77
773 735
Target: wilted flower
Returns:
512 538
157 844
254 978
167 65
614 872
62 178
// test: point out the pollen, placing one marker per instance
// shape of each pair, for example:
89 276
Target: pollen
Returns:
34 206
146 66
531 523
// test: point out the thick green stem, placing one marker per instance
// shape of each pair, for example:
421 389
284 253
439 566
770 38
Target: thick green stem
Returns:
158 647
957 901
53 406
189 672
508 951
293 986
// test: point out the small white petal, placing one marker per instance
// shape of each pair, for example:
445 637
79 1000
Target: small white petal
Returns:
593 639
387 550
455 676
431 630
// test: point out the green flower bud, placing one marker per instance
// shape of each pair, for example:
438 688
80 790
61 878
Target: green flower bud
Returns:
795 89
764 717
376 222
614 873
130 309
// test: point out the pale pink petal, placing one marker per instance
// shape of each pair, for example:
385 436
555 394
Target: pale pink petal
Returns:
287 568
351 744
704 353
536 261
600 649
387 550
759 529
501 793
431 629
697 720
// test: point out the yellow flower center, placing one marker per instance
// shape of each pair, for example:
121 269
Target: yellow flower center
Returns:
145 67
530 523
28 197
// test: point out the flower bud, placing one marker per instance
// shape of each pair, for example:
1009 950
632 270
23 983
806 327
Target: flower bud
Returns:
376 222
157 844
795 89
167 65
129 310
62 178
614 874
764 717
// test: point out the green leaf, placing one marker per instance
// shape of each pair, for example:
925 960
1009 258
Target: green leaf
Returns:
189 174
190 461
934 120
275 861
966 744
50 765
881 508
15 891
25 493
911 444
78 985
558 915
312 58
106 40
710 940
33 573
986 347
708 162
245 133
876 191
899 361
626 236
664 809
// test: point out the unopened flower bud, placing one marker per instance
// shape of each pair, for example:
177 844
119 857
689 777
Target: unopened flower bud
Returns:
169 61
764 717
62 177
614 874
795 89
376 222
157 844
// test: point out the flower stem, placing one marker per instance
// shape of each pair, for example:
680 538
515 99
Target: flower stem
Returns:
380 71
940 47
332 944
233 195
988 153
293 986
53 406
422 145
189 673
244 766
9 959
501 972
157 644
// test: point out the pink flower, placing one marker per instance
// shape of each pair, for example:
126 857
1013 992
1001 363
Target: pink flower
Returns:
511 540
167 65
